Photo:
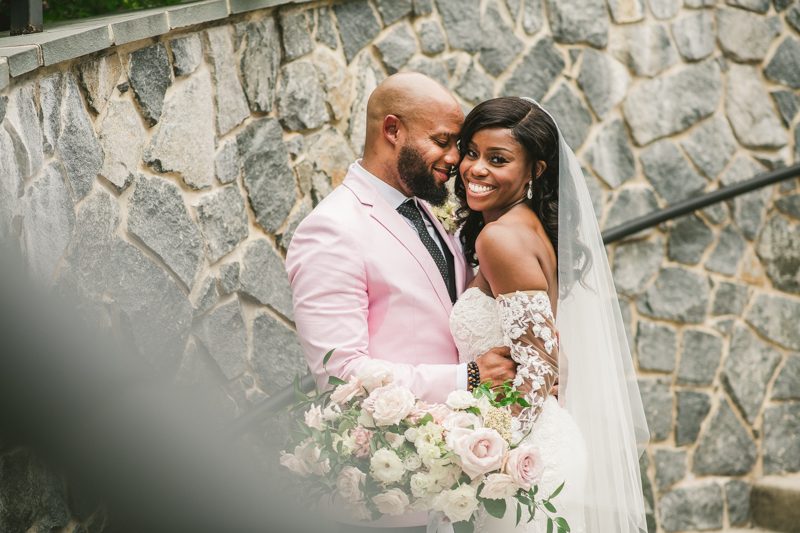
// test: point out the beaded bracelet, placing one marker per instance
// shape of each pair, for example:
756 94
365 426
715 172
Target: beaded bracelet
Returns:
473 376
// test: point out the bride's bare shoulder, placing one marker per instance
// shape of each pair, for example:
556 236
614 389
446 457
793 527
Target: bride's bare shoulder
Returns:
510 257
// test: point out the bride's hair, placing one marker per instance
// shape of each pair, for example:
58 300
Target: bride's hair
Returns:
537 133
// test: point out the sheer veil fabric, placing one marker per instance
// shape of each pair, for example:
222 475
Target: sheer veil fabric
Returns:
598 385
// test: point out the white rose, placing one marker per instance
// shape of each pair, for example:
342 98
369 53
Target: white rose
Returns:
445 475
332 413
499 487
411 434
393 502
313 417
457 504
484 405
295 464
360 511
348 484
428 452
386 466
311 456
460 399
390 404
460 419
376 374
421 484
412 461
395 440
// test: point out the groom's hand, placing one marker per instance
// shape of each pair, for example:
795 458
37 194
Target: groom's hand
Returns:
497 366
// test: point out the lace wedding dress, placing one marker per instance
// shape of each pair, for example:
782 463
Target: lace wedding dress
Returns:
524 322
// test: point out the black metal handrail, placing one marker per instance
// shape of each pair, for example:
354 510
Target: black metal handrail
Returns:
284 397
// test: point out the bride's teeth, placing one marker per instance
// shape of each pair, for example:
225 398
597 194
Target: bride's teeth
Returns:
474 187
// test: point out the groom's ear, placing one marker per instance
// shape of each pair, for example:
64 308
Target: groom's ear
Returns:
392 127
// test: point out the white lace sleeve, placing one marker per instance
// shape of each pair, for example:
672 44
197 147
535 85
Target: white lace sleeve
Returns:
528 329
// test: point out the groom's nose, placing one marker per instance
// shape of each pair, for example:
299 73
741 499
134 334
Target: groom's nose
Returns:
452 157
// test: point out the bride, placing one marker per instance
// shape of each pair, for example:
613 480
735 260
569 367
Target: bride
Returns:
544 289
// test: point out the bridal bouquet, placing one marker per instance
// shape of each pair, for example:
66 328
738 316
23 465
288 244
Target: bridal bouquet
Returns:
370 443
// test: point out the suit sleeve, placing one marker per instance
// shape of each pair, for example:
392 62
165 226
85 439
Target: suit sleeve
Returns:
326 269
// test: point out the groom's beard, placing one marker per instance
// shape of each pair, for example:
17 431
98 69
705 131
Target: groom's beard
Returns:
418 178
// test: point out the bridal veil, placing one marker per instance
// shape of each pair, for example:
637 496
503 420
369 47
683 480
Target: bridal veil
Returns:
599 387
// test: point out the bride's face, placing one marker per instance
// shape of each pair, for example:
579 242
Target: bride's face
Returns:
495 170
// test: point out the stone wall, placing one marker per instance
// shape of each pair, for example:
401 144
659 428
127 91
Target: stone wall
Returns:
158 182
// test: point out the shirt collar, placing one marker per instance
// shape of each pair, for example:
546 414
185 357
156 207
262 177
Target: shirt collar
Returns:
394 197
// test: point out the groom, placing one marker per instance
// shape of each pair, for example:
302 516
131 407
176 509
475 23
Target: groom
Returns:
374 275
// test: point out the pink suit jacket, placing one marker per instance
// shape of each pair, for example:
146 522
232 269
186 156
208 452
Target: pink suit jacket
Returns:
365 285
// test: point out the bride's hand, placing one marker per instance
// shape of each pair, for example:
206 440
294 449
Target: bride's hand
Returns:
496 366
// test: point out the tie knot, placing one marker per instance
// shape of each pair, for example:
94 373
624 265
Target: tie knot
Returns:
409 210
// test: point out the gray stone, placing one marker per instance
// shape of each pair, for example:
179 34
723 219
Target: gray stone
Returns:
672 176
184 142
393 10
677 294
431 38
787 384
797 144
788 105
55 511
700 356
694 35
744 36
604 81
122 137
645 47
226 163
330 154
260 62
98 77
474 86
284 238
48 219
371 75
532 16
204 295
726 447
572 117
729 299
150 74
431 68
326 31
775 317
656 346
229 277
747 371
277 356
780 443
229 97
716 213
596 192
698 507
632 202
295 34
784 65
626 11
671 104
222 215
49 111
461 19
78 146
396 48
750 111
670 467
11 184
336 80
778 248
301 100
693 407
187 54
748 209
576 21
610 155
158 315
422 7
499 45
22 124
793 17
159 219
657 401
20 490
635 263
266 172
664 9
224 335
358 26
759 6
711 145
647 492
789 204
688 239
737 493
263 277
780 5
774 162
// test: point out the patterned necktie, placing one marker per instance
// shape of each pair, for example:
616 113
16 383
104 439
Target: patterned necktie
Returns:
409 210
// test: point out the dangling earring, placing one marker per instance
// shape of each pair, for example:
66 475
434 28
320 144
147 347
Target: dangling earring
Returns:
530 190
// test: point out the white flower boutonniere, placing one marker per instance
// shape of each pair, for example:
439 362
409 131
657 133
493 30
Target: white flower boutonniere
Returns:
447 216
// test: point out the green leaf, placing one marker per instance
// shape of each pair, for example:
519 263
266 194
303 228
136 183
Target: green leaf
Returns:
474 410
523 402
333 380
562 524
549 525
534 490
327 357
496 508
519 514
464 527
549 506
425 419
555 492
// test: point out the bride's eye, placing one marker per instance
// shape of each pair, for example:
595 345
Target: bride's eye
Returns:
471 153
498 160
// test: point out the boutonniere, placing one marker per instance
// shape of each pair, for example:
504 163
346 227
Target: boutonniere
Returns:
447 216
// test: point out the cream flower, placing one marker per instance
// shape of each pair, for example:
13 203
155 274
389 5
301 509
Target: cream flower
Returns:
313 417
348 443
412 462
411 434
295 464
499 487
344 393
445 475
395 440
386 466
389 404
311 456
332 413
393 502
460 399
365 419
481 450
525 466
458 504
376 374
421 484
347 483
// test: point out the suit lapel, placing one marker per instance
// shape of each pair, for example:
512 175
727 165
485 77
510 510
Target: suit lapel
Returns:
458 256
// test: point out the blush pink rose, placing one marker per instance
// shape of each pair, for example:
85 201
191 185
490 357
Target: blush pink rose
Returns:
438 411
344 393
525 466
481 450
461 419
361 436
389 404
